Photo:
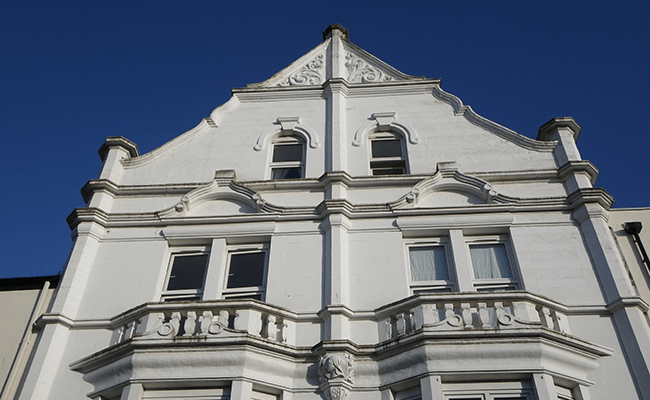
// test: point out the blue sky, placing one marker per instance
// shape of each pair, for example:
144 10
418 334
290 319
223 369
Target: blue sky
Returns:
75 72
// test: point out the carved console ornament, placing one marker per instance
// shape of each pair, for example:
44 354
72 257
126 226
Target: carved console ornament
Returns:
335 373
359 71
310 74
332 366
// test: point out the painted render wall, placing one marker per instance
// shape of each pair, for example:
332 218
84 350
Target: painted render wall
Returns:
338 278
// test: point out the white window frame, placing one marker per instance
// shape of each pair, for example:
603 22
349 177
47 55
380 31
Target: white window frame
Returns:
283 141
459 263
378 136
494 284
489 391
240 292
434 286
185 294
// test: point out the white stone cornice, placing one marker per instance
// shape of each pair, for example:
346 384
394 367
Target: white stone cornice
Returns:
469 114
573 167
204 126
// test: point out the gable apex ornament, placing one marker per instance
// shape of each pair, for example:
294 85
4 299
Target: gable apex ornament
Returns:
344 33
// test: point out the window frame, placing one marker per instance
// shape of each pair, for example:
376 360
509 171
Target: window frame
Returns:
493 284
489 391
300 164
432 286
247 291
185 294
380 162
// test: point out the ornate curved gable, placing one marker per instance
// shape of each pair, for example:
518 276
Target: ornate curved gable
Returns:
449 187
222 197
335 57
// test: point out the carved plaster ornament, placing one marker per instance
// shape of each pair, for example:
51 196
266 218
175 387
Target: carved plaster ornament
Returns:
336 393
309 74
359 71
333 366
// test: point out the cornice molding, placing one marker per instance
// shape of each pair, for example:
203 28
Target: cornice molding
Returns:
118 141
590 195
469 114
573 167
204 126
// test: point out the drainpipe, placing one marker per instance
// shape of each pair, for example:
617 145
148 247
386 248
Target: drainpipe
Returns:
634 228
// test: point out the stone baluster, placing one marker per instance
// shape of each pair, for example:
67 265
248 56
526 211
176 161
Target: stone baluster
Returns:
466 313
449 310
130 330
562 322
224 318
190 323
175 322
385 330
271 328
206 321
288 331
484 315
401 324
545 316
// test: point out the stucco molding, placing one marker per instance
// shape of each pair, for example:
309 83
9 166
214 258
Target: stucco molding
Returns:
448 178
222 188
385 122
288 126
469 114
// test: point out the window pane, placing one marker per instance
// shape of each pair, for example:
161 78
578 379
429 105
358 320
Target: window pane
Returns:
246 269
428 263
287 152
397 167
286 173
490 261
386 148
188 272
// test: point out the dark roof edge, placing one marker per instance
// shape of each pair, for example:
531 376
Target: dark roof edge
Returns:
28 283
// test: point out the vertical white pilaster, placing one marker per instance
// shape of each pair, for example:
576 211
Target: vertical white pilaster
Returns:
241 390
545 387
431 387
216 275
133 391
462 262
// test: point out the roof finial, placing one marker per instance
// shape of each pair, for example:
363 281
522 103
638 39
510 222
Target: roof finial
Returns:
327 33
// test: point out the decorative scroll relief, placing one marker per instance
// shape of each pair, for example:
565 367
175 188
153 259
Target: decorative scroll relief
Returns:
310 74
359 71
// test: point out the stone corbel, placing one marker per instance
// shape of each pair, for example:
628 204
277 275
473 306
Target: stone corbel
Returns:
384 120
335 373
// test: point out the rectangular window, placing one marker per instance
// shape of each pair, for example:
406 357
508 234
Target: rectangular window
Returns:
491 265
387 155
186 276
429 270
287 160
246 273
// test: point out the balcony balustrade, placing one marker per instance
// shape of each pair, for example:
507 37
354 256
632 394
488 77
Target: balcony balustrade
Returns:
462 312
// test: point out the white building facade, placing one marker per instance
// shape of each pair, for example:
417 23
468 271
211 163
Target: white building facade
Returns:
343 230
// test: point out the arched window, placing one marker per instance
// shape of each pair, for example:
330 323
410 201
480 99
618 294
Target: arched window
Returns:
288 158
387 154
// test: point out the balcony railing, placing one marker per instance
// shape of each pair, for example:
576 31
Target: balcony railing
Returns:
472 312
468 312
203 319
